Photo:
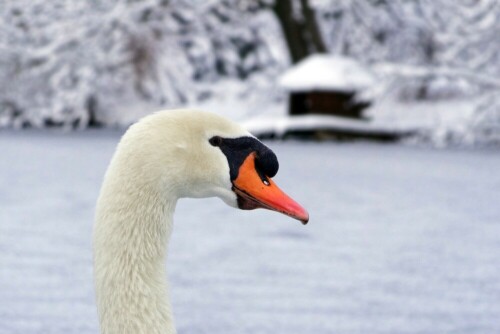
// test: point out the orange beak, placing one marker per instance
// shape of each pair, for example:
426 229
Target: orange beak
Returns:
255 191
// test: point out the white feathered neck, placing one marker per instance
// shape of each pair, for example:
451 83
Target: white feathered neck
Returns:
163 157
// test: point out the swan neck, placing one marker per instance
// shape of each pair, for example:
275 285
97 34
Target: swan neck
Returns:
132 230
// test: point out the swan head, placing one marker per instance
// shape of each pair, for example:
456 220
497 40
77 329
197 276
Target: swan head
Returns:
199 154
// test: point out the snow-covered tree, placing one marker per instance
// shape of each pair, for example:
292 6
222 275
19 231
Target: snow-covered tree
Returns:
76 63
437 48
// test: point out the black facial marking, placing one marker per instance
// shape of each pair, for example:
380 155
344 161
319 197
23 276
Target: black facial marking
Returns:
237 150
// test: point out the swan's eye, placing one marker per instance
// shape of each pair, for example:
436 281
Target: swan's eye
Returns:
215 140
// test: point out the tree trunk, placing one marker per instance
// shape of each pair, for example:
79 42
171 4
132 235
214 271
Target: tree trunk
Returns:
312 29
302 34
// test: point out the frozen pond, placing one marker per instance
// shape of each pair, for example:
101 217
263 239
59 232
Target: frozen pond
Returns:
401 240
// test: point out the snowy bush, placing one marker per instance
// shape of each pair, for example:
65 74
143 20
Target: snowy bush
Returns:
485 124
78 63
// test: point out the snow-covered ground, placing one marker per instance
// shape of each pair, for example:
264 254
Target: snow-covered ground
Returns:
401 240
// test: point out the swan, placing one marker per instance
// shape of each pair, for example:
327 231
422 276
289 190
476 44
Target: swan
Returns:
163 157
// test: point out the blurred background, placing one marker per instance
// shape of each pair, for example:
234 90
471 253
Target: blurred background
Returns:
385 116
78 64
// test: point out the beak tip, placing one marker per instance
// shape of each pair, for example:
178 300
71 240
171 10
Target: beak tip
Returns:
304 219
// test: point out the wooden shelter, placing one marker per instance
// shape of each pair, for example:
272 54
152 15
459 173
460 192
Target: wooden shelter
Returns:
327 85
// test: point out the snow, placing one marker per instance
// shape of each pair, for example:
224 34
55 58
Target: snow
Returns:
441 72
281 125
401 240
439 122
76 63
327 72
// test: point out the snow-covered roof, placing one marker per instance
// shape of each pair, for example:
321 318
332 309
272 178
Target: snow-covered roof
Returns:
327 72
